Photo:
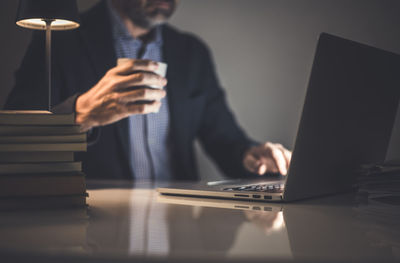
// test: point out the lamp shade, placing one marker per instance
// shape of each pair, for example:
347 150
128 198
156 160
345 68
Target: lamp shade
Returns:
33 13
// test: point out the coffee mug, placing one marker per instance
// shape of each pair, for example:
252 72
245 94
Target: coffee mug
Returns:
161 70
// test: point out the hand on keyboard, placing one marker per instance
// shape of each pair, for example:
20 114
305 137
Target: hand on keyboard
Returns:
268 157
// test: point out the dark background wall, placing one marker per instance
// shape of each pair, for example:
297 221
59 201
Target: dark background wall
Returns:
263 50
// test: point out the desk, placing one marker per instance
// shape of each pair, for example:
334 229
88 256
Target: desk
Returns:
128 221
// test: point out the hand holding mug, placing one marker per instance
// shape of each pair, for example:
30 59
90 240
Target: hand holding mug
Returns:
113 97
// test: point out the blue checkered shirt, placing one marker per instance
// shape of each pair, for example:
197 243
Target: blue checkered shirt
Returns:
149 134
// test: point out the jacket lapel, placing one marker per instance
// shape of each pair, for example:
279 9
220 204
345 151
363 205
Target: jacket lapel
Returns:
97 36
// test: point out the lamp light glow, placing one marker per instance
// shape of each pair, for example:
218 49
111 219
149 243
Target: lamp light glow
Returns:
40 24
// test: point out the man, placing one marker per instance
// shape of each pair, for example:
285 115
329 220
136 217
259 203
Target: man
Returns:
130 138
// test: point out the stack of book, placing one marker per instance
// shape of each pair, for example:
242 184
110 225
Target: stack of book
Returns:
37 167
380 180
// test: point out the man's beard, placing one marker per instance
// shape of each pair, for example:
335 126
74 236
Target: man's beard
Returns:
149 16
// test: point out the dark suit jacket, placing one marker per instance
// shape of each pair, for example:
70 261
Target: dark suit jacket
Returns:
197 104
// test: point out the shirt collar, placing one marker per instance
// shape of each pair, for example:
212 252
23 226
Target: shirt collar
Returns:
121 32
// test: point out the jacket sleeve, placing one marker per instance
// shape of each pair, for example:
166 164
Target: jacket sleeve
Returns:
220 134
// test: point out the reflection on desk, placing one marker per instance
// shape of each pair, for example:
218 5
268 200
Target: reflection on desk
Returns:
127 221
144 225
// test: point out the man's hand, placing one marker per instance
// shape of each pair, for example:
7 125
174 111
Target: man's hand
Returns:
111 100
268 157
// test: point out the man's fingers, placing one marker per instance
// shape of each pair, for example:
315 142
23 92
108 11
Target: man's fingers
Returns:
265 154
142 79
262 169
267 157
273 157
122 103
288 157
128 66
259 165
280 160
141 94
286 153
252 163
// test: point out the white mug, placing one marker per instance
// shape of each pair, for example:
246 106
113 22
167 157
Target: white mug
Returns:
161 70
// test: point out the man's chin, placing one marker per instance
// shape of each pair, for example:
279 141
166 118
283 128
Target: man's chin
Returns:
149 21
158 20
160 13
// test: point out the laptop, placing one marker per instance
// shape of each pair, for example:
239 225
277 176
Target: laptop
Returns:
220 203
347 119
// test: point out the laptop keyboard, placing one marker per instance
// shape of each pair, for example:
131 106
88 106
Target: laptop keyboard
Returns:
267 188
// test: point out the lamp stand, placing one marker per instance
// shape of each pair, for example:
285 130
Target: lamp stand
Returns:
48 59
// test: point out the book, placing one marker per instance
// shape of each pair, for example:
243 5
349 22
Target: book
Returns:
24 168
44 139
41 130
36 157
35 117
42 185
43 147
41 202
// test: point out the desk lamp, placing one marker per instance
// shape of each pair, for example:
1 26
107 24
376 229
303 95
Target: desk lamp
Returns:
48 15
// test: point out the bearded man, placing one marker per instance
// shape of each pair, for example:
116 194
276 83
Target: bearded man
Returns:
138 132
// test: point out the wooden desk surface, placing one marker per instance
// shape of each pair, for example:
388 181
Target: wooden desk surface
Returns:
126 221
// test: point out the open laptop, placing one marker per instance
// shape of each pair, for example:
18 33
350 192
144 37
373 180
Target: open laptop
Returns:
347 119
